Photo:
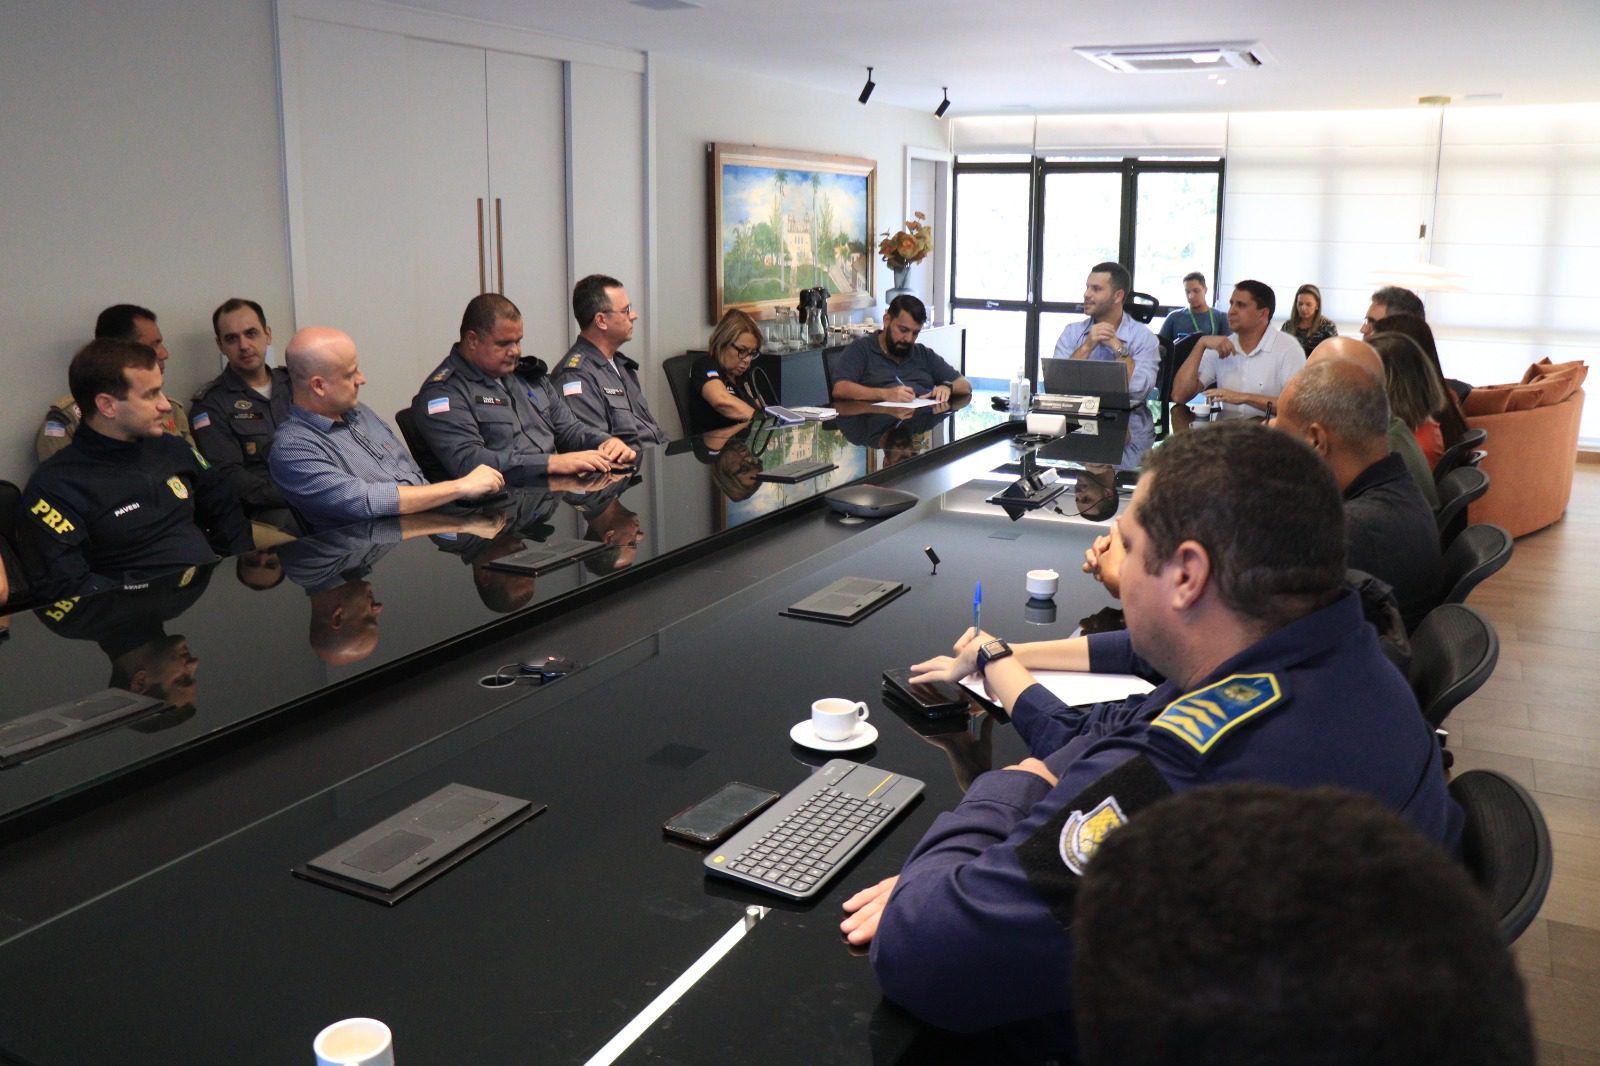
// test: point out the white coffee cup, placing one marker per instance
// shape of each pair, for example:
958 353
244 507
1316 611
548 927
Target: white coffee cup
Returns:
1042 583
355 1042
836 719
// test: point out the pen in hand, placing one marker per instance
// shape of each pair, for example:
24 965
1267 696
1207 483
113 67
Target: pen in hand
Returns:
977 608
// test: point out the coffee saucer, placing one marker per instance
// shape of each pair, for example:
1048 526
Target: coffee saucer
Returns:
804 735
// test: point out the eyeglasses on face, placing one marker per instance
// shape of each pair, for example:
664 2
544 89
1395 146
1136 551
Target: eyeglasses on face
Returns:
745 353
623 311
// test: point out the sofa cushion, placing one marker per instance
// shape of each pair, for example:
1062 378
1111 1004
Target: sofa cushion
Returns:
1544 368
1486 400
1525 397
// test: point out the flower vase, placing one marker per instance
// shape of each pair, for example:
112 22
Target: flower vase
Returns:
901 276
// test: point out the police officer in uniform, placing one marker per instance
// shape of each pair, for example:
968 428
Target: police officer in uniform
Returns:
236 414
597 381
125 498
123 322
1265 670
485 404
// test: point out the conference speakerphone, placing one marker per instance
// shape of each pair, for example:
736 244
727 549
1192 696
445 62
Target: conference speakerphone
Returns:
33 734
404 852
547 555
801 843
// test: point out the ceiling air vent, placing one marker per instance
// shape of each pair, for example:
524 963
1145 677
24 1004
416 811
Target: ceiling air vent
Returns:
1175 58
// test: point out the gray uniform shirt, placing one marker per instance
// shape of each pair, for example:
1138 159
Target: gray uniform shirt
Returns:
605 394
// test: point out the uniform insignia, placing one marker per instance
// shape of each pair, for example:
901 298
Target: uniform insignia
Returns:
179 489
188 576
248 416
249 447
572 363
442 375
58 610
572 388
1201 717
242 405
1083 832
610 392
201 420
199 459
712 373
438 405
54 429
51 517
493 401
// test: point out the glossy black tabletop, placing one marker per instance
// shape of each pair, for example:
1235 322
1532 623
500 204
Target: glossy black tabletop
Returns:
547 944
298 627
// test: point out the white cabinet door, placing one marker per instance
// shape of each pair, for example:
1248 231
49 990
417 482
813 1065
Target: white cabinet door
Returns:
527 182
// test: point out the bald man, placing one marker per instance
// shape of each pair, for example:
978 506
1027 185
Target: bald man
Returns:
1401 440
335 459
1339 407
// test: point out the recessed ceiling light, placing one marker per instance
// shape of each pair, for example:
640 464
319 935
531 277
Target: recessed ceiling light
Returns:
1433 101
667 5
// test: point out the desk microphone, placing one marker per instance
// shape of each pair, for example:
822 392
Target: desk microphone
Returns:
933 557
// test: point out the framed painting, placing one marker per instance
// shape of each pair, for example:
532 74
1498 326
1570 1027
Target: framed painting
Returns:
782 221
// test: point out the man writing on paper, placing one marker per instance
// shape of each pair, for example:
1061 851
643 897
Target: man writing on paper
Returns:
891 366
1266 671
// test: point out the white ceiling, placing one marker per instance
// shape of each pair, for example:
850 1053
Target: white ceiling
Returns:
1002 56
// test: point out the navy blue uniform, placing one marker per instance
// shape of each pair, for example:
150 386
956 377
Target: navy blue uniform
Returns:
101 512
977 933
234 426
470 418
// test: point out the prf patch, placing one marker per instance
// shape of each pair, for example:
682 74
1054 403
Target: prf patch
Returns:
1200 718
1083 832
51 517
179 489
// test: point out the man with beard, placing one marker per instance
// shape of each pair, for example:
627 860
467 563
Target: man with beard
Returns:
1110 335
890 365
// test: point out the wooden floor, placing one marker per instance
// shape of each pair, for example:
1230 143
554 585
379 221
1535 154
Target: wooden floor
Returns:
1538 719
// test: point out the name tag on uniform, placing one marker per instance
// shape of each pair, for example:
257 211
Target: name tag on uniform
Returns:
610 392
493 401
247 416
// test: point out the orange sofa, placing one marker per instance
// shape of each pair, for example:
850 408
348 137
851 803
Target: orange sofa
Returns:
1532 445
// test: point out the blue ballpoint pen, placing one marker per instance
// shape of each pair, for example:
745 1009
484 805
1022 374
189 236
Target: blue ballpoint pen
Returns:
977 608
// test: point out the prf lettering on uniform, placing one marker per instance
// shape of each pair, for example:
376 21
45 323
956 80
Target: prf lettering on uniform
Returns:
52 517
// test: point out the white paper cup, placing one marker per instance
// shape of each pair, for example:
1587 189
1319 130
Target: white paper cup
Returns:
355 1042
1042 583
837 719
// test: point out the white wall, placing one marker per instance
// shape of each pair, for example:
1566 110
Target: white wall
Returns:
695 106
140 161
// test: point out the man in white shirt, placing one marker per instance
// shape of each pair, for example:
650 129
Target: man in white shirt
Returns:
1108 334
1246 370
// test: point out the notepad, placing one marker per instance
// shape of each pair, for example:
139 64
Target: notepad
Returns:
1076 689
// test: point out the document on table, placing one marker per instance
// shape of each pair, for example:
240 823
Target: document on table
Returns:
1075 689
908 405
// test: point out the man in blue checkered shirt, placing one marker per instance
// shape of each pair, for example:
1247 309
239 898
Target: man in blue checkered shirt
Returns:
335 459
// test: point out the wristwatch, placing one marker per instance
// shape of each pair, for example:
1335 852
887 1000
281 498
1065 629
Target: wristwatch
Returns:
990 651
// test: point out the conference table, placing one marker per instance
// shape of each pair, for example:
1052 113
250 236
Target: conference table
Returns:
153 915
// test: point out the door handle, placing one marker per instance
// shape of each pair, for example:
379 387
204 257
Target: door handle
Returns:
483 281
499 250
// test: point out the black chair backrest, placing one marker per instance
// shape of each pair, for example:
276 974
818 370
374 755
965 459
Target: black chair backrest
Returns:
1460 487
431 467
1457 453
1141 306
830 366
1453 652
10 508
676 367
1505 845
1478 552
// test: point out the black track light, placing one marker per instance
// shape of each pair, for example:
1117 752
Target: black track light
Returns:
866 90
939 111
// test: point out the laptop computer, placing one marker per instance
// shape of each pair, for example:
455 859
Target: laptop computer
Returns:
1089 377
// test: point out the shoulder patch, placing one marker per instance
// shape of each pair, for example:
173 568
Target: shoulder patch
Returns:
443 374
573 361
52 428
51 518
1084 830
197 458
1200 718
179 489
438 405
200 420
713 372
572 388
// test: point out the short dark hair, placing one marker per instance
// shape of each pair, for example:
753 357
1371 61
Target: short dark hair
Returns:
99 367
1262 504
911 306
117 322
1215 928
1120 279
1400 301
229 306
1195 275
589 298
1260 292
484 311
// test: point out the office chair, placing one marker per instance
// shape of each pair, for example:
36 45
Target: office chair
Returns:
431 467
676 367
1480 551
1457 453
1460 487
1167 372
1453 652
1141 306
1505 845
10 508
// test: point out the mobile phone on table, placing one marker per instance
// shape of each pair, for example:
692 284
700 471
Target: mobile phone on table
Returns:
933 699
719 814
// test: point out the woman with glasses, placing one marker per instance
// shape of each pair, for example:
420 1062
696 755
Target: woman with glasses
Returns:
722 388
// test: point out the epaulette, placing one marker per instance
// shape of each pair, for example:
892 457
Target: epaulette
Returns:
200 393
1204 716
573 361
442 374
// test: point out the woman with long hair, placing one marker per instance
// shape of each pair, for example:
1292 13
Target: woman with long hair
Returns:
1306 321
1452 424
1415 389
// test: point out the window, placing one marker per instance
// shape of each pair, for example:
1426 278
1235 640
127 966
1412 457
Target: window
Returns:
1027 231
